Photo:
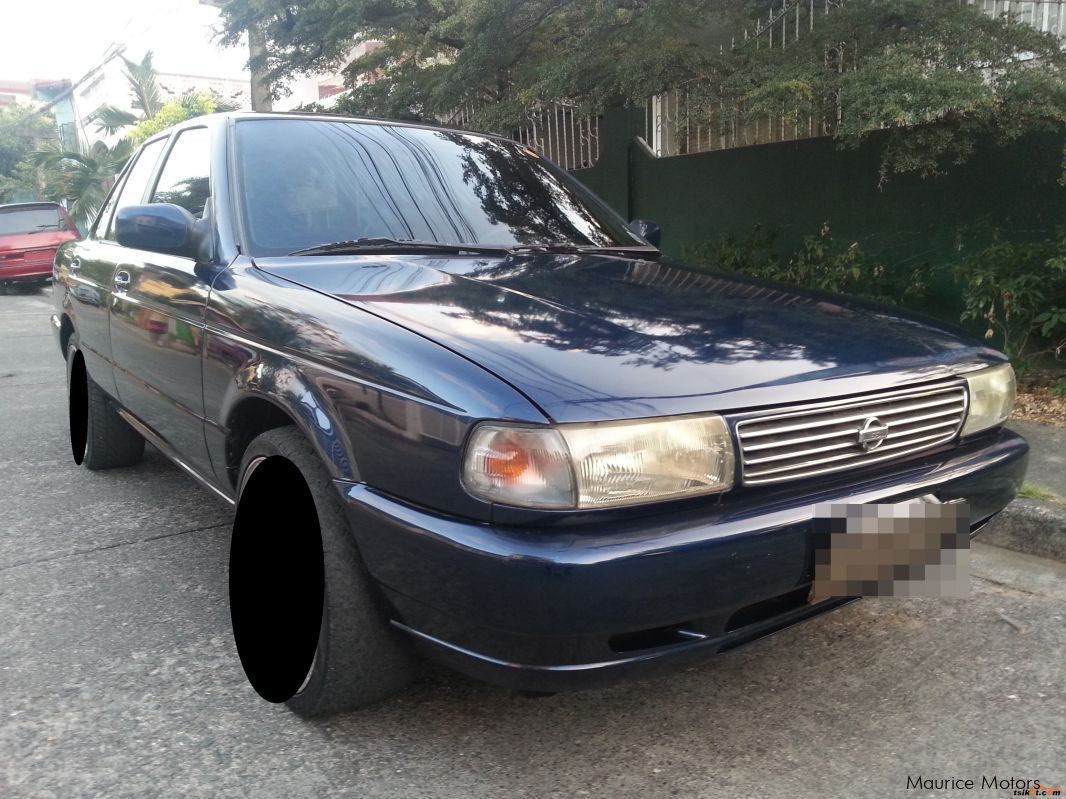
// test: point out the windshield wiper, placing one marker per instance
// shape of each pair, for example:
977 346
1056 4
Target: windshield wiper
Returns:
383 244
571 249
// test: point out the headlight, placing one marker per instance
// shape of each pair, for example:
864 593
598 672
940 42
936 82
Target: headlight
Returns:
599 465
992 393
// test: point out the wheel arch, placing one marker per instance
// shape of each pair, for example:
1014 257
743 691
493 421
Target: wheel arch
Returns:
251 416
66 330
253 413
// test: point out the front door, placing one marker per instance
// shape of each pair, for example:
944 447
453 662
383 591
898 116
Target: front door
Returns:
157 316
90 270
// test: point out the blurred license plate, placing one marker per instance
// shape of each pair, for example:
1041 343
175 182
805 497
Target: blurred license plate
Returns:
913 549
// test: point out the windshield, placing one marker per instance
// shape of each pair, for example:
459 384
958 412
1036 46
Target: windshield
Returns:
16 221
309 182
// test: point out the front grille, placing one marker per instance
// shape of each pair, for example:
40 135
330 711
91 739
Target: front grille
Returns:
821 438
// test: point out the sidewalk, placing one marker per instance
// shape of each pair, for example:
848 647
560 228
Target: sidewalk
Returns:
1047 455
1035 526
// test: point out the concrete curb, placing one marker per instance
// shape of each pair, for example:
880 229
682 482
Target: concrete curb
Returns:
1030 526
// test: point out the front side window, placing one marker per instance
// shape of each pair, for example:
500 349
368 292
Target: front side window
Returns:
185 179
132 191
309 182
31 219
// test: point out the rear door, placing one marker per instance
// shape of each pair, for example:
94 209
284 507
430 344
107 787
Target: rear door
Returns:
157 316
90 265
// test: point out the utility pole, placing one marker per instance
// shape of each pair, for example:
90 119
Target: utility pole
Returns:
262 97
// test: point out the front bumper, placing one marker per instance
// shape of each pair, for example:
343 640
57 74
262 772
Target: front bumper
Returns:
548 609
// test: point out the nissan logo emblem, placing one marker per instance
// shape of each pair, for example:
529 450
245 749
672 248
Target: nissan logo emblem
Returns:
872 434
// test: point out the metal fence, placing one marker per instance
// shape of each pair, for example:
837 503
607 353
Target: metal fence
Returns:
677 123
558 130
570 139
1046 15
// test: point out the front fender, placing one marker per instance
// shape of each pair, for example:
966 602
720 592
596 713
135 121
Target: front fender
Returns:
264 376
382 405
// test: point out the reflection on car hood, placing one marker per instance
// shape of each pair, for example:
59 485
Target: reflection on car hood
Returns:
595 337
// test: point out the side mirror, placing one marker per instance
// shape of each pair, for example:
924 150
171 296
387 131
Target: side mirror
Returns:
647 230
160 227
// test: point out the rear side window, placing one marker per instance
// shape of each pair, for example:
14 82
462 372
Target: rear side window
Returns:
132 191
35 219
185 179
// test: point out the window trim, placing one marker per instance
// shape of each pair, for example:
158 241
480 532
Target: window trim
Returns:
120 184
175 137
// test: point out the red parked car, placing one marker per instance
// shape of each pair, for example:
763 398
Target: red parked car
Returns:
30 234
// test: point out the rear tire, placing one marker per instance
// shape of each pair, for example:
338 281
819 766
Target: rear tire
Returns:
99 437
309 624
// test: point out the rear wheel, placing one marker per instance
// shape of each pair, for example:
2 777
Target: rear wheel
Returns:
99 437
309 625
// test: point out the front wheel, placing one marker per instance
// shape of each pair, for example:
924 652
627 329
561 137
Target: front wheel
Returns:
309 625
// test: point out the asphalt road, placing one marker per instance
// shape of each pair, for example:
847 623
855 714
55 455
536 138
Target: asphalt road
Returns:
118 676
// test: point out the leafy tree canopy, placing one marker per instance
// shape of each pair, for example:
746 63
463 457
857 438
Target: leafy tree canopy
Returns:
83 176
21 132
144 92
500 55
80 176
935 72
174 111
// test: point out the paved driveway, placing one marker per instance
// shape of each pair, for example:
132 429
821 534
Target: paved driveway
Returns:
118 676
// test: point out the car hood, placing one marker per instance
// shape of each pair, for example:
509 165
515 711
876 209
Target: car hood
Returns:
589 337
46 239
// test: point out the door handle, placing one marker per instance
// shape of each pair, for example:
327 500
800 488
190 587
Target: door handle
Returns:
122 280
75 265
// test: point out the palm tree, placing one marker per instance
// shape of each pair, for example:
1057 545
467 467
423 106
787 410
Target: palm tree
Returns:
142 81
147 99
82 177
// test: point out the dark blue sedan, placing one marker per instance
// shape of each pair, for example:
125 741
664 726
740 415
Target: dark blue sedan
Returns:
465 411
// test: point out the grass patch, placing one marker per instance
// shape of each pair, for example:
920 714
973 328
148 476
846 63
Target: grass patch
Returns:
1030 491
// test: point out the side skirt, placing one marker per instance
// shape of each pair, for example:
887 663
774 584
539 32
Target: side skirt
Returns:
171 455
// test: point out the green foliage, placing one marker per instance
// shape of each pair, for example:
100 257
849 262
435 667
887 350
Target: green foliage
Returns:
937 73
1019 291
21 132
499 56
1031 491
144 89
155 114
820 263
173 112
83 178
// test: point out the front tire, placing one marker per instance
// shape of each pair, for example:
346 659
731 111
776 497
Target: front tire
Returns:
99 437
308 622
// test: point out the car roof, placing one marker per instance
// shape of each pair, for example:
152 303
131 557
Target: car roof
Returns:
226 117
